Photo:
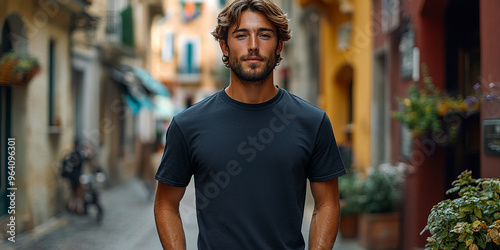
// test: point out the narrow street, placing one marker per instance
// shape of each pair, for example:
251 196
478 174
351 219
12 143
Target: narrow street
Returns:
128 224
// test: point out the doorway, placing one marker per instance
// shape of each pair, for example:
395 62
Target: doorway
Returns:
5 133
79 105
13 37
345 99
462 43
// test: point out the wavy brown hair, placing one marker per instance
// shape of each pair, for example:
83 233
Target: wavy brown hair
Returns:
230 16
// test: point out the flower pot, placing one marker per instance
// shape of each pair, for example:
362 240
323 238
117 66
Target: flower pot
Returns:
349 226
6 75
30 75
9 77
379 231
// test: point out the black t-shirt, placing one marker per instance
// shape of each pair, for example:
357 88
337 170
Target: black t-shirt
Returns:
250 164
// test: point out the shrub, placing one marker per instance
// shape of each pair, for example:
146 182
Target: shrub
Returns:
471 221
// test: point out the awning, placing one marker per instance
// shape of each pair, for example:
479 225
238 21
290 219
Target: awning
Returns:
136 96
143 91
150 83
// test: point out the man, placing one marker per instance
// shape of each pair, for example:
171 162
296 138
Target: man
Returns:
251 148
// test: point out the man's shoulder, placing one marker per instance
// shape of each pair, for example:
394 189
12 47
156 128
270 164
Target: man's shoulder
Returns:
298 104
198 111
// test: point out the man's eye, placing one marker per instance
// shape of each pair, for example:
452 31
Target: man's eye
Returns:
240 36
265 35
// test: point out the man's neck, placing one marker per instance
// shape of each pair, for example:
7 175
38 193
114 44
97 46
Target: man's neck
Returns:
252 92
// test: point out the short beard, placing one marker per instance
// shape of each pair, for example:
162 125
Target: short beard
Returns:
252 76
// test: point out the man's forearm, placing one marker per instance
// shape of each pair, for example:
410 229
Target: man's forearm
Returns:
324 228
169 226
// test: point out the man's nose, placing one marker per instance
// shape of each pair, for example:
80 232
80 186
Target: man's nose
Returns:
253 43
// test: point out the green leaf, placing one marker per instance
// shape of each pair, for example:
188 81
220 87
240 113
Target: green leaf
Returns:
477 212
476 223
481 241
462 246
462 237
473 218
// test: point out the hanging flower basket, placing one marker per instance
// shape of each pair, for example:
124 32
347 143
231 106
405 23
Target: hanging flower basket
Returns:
427 110
17 69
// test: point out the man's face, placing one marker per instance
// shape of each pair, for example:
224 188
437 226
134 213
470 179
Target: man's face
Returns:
252 47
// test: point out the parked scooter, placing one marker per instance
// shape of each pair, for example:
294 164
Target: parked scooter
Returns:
80 167
91 196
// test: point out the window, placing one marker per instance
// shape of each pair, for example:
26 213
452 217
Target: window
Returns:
54 119
390 15
113 22
167 48
189 55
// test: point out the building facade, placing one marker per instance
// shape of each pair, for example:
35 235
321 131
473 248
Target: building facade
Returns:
38 115
92 88
299 71
346 92
185 56
451 42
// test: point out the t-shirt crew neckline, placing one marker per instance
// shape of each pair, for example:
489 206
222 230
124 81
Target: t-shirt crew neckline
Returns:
276 98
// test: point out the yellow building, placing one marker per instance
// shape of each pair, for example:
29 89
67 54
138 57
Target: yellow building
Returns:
346 72
36 115
185 56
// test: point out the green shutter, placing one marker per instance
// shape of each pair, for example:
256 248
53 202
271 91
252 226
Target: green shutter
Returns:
128 27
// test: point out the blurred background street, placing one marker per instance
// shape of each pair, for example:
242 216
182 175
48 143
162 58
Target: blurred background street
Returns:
412 89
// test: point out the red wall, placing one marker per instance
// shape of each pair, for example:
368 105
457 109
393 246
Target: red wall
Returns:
490 72
425 187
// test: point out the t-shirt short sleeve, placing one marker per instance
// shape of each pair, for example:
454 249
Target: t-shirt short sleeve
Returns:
175 168
325 163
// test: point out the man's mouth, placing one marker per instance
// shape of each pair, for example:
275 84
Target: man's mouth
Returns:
253 59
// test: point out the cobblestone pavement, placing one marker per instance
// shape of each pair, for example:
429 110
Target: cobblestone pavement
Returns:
128 224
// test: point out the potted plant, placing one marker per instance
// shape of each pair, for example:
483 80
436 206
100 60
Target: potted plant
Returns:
17 68
350 207
379 224
471 221
425 108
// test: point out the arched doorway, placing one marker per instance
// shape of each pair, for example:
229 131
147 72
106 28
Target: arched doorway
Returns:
463 69
13 37
344 88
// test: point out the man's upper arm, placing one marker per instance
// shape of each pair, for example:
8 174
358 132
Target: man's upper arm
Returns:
325 192
168 197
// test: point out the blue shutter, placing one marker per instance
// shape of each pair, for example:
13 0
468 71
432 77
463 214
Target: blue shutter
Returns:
190 58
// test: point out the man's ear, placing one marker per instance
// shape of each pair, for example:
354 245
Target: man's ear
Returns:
224 47
280 47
